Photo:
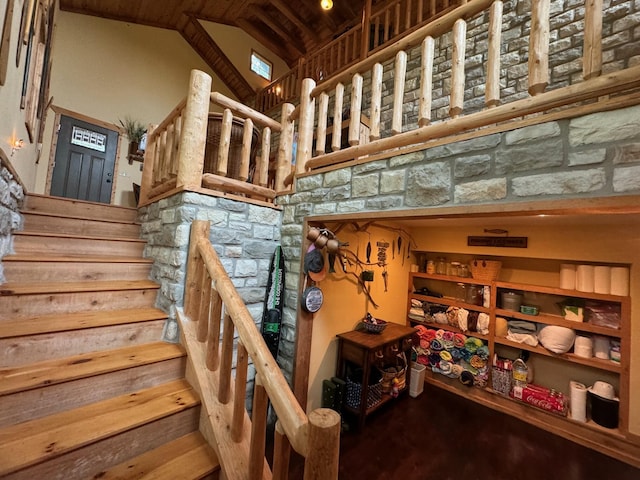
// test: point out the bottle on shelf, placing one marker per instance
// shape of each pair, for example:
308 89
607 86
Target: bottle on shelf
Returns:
520 372
441 266
431 267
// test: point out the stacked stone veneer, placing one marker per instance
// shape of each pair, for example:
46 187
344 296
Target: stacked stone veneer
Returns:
11 198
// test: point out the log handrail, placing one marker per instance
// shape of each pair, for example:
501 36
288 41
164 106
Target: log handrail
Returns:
208 293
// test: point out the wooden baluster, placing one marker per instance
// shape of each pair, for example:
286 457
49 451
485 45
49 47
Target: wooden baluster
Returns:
171 160
407 22
281 454
387 25
324 445
336 135
240 393
592 56
365 30
321 135
305 126
225 143
396 24
376 101
258 430
426 81
146 181
205 303
194 131
157 151
433 8
224 391
539 47
245 150
262 169
420 14
356 109
376 32
163 157
492 89
213 337
398 91
177 130
457 68
199 229
285 147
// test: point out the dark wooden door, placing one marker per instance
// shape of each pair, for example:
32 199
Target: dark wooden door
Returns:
84 161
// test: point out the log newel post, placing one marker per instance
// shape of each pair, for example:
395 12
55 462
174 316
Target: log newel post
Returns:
324 445
305 129
285 147
194 131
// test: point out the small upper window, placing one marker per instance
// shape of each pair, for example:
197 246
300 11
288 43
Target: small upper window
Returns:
261 65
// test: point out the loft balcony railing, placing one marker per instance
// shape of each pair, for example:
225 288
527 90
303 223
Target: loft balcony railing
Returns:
385 25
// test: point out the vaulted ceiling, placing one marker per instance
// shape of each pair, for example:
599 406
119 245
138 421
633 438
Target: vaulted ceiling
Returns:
290 29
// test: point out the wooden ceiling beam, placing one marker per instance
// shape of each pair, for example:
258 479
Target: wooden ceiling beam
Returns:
200 40
281 49
273 24
293 16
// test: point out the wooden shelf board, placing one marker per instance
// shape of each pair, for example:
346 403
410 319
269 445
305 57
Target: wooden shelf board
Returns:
452 302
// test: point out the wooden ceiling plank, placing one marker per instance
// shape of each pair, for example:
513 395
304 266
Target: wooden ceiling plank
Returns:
293 16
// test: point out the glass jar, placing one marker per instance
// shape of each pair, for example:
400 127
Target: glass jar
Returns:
453 269
431 266
461 292
472 295
464 270
441 266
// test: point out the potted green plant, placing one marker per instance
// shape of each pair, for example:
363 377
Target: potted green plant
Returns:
134 131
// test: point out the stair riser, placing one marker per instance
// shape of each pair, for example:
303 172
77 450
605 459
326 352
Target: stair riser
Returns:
87 462
78 208
36 244
23 306
36 403
37 348
19 271
95 228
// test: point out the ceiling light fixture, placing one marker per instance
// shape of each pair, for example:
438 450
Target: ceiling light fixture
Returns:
326 4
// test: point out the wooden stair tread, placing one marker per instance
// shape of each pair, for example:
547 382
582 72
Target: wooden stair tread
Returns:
40 257
188 457
34 441
74 287
25 233
78 217
61 370
77 321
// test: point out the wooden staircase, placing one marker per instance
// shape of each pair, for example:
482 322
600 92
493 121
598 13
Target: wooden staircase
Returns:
87 387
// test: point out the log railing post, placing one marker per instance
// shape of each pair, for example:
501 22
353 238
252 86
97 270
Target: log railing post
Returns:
194 131
239 394
426 81
324 445
398 91
258 430
146 182
592 54
539 47
285 147
305 129
457 68
224 390
492 89
376 101
199 229
356 108
281 454
336 136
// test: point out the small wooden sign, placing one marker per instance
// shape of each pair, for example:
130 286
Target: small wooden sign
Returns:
508 242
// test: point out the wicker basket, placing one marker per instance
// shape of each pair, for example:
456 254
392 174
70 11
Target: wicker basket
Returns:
354 392
485 270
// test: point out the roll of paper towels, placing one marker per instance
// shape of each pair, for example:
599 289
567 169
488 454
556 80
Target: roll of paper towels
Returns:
568 276
620 281
601 346
583 346
578 396
602 279
584 278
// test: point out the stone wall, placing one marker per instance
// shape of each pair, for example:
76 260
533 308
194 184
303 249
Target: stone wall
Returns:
593 156
11 198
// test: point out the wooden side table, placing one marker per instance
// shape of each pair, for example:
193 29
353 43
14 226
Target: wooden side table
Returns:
362 349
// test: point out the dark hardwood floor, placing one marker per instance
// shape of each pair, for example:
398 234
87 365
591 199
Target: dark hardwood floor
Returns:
442 436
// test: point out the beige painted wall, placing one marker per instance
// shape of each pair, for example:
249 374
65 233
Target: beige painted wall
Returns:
603 240
105 70
12 119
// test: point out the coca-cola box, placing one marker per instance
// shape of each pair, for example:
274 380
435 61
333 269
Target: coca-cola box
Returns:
541 397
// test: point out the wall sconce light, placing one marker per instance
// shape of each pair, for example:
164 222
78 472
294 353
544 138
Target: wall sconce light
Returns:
16 145
326 4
